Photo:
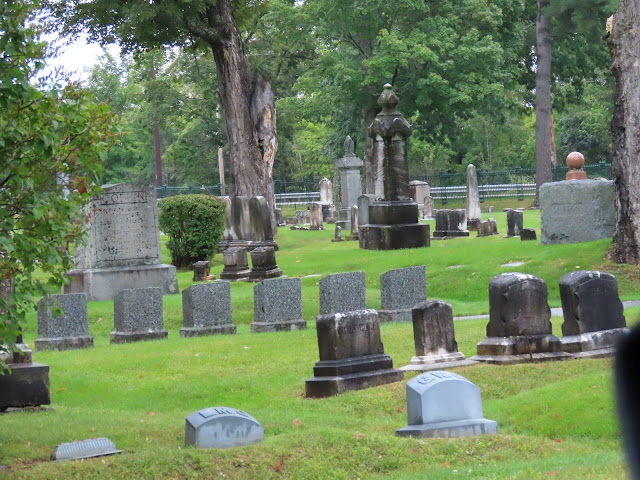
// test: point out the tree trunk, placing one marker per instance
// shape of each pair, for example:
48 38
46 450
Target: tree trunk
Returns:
369 114
624 43
544 149
249 110
157 149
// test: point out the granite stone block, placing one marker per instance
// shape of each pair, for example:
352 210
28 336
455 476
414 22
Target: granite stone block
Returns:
400 290
206 309
63 323
277 305
138 315
342 292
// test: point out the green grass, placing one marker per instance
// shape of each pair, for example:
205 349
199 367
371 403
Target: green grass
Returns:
556 420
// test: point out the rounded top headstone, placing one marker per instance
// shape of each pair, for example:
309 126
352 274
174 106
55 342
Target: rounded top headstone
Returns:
575 160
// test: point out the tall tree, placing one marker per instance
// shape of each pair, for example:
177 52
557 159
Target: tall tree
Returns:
545 156
247 99
624 42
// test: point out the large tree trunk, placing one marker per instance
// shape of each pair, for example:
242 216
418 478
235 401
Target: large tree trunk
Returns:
369 114
248 107
624 43
157 148
544 149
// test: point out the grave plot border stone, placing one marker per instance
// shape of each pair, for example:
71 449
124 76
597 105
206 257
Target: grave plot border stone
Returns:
400 290
74 315
206 310
277 305
147 306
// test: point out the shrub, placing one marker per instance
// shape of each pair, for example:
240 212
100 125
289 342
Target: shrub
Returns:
194 224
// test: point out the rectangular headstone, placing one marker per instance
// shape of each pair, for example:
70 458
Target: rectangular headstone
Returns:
138 315
343 292
315 216
451 223
514 223
206 309
69 329
363 208
400 290
277 305
222 427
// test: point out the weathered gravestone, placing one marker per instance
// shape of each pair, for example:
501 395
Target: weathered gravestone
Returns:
519 328
363 208
528 234
351 355
514 223
201 270
485 228
594 323
342 292
67 326
263 264
236 265
206 310
429 211
222 427
94 447
419 190
444 404
451 223
229 237
489 209
300 217
350 184
577 211
400 290
315 216
474 214
279 217
337 234
28 383
434 338
137 315
261 229
277 305
123 247
354 234
393 216
494 226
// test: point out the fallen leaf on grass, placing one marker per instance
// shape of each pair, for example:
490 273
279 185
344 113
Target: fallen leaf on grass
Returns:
247 348
400 410
445 464
297 423
28 444
197 355
151 414
100 319
420 442
279 466
552 473
359 435
140 376
594 387
557 440
557 415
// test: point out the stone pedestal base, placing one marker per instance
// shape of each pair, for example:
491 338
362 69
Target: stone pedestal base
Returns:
206 331
456 428
259 327
437 362
594 344
63 343
257 275
450 233
234 274
27 386
520 349
128 337
105 283
394 237
576 174
403 315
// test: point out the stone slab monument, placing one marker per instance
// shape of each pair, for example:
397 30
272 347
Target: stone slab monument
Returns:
594 323
67 326
393 216
248 224
123 247
400 290
315 216
350 183
236 264
419 190
515 222
474 214
434 338
138 315
222 427
263 264
277 305
342 292
444 404
451 223
261 229
519 328
577 211
351 355
28 384
206 310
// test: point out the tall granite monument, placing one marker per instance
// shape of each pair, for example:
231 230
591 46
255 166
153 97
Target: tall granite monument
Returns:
350 185
393 216
123 248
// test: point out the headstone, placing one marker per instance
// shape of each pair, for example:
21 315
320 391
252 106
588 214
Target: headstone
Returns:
429 212
206 310
363 208
577 211
514 223
241 217
444 404
68 330
351 355
494 226
489 209
485 228
354 224
201 270
123 247
400 290
350 183
300 217
342 292
279 217
277 305
222 427
292 221
229 238
338 234
418 190
528 234
94 447
137 315
261 229
236 265
519 328
451 223
434 338
315 214
594 323
474 215
263 264
326 192
393 216
28 383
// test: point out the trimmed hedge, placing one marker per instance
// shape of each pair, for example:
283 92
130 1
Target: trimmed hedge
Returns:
194 224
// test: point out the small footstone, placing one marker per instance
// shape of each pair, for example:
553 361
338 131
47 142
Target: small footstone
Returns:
528 234
94 447
222 427
444 404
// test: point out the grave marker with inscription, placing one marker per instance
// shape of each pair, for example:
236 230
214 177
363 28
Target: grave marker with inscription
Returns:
342 292
350 183
277 305
206 310
123 247
67 331
137 315
222 427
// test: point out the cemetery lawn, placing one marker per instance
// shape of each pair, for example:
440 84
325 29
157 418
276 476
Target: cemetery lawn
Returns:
555 419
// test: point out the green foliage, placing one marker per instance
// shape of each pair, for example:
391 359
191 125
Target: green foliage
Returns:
52 143
194 224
